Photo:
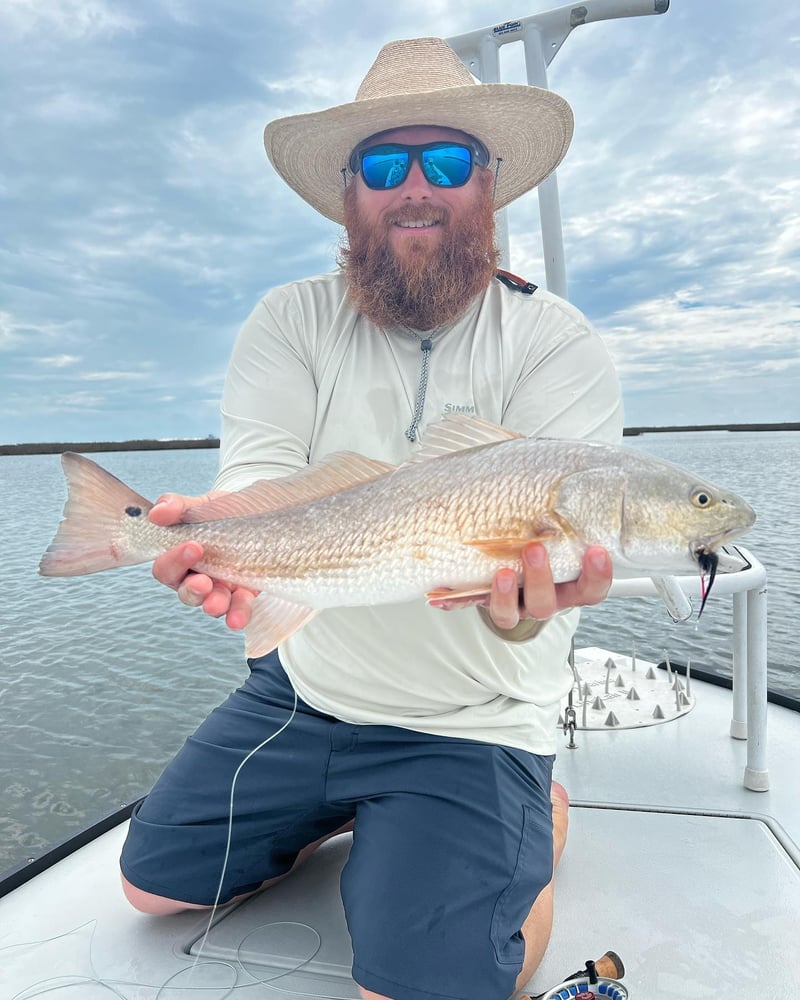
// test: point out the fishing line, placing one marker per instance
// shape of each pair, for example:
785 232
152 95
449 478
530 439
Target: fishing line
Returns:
70 982
270 982
169 986
221 991
57 983
115 987
226 858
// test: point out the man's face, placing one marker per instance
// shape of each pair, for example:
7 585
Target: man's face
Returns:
418 253
415 214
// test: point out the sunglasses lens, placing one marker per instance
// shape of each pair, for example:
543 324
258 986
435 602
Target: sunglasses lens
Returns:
444 164
447 166
384 166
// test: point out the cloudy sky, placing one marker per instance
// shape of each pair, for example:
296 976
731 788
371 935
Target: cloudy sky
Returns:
140 220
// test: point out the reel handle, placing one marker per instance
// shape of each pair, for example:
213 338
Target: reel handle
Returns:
608 966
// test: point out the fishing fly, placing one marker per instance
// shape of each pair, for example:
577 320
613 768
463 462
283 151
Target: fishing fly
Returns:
708 562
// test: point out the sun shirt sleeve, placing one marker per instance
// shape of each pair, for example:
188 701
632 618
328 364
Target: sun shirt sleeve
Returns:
269 400
566 385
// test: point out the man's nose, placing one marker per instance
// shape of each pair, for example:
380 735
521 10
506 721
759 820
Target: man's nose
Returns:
416 185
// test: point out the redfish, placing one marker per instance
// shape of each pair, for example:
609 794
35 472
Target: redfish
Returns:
351 530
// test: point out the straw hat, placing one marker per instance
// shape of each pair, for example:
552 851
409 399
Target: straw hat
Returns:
421 81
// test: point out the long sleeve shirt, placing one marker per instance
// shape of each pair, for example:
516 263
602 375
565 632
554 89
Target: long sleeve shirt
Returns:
310 376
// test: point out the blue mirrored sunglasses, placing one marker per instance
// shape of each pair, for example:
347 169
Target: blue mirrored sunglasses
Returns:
444 164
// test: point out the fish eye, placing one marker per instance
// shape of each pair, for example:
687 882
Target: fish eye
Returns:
701 499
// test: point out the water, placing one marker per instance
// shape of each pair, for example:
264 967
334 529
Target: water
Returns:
102 677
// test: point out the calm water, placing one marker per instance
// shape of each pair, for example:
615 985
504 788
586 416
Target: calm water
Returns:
102 677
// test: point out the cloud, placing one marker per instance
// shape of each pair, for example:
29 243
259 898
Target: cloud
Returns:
58 361
677 326
66 19
142 221
719 360
19 335
111 376
8 331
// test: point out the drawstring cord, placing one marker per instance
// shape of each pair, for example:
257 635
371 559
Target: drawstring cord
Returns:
426 346
496 174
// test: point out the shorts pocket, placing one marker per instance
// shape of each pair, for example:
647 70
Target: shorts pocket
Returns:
532 872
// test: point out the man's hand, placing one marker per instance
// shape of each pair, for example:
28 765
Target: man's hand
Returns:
174 568
539 597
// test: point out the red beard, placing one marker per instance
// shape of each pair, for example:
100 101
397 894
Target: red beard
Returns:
426 286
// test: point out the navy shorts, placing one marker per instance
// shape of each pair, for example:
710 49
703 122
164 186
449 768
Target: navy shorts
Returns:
452 841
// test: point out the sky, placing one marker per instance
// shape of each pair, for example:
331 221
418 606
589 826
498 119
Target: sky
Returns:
140 220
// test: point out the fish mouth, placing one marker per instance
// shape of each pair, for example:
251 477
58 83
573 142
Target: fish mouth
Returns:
707 558
710 543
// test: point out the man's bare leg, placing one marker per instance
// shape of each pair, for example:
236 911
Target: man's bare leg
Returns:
539 922
160 906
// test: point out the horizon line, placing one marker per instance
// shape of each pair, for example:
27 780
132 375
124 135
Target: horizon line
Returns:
177 444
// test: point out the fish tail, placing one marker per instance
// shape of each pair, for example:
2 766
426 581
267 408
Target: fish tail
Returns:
91 536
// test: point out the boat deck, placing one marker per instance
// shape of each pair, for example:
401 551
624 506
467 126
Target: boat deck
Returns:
691 878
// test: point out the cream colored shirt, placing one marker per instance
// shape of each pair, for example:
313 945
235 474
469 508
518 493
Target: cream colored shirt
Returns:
310 376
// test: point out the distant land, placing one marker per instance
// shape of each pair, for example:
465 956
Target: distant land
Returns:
785 426
176 444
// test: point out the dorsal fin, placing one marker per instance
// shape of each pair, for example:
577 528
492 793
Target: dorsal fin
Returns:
459 432
331 474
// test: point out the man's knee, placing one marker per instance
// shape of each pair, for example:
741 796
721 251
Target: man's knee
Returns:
148 902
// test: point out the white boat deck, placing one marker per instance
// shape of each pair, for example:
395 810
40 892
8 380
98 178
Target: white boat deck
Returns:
691 878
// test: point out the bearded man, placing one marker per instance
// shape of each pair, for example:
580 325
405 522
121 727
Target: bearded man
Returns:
411 261
429 735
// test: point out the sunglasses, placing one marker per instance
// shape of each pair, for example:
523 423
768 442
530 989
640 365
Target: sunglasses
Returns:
444 164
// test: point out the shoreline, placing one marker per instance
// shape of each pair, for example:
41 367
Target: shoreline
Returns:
182 444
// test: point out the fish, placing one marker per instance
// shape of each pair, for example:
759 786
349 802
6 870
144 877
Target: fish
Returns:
352 530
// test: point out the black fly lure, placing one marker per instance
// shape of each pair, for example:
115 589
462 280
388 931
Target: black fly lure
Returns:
708 562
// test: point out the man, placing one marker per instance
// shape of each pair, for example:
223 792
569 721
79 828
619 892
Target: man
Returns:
430 735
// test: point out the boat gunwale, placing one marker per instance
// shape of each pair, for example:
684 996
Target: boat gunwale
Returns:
25 871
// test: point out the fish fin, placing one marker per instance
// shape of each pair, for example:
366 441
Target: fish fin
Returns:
458 432
272 621
331 474
461 597
507 548
88 539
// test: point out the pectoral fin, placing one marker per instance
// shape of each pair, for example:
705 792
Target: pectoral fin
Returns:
272 621
508 548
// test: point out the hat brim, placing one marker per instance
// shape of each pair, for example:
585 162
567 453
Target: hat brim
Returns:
528 128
